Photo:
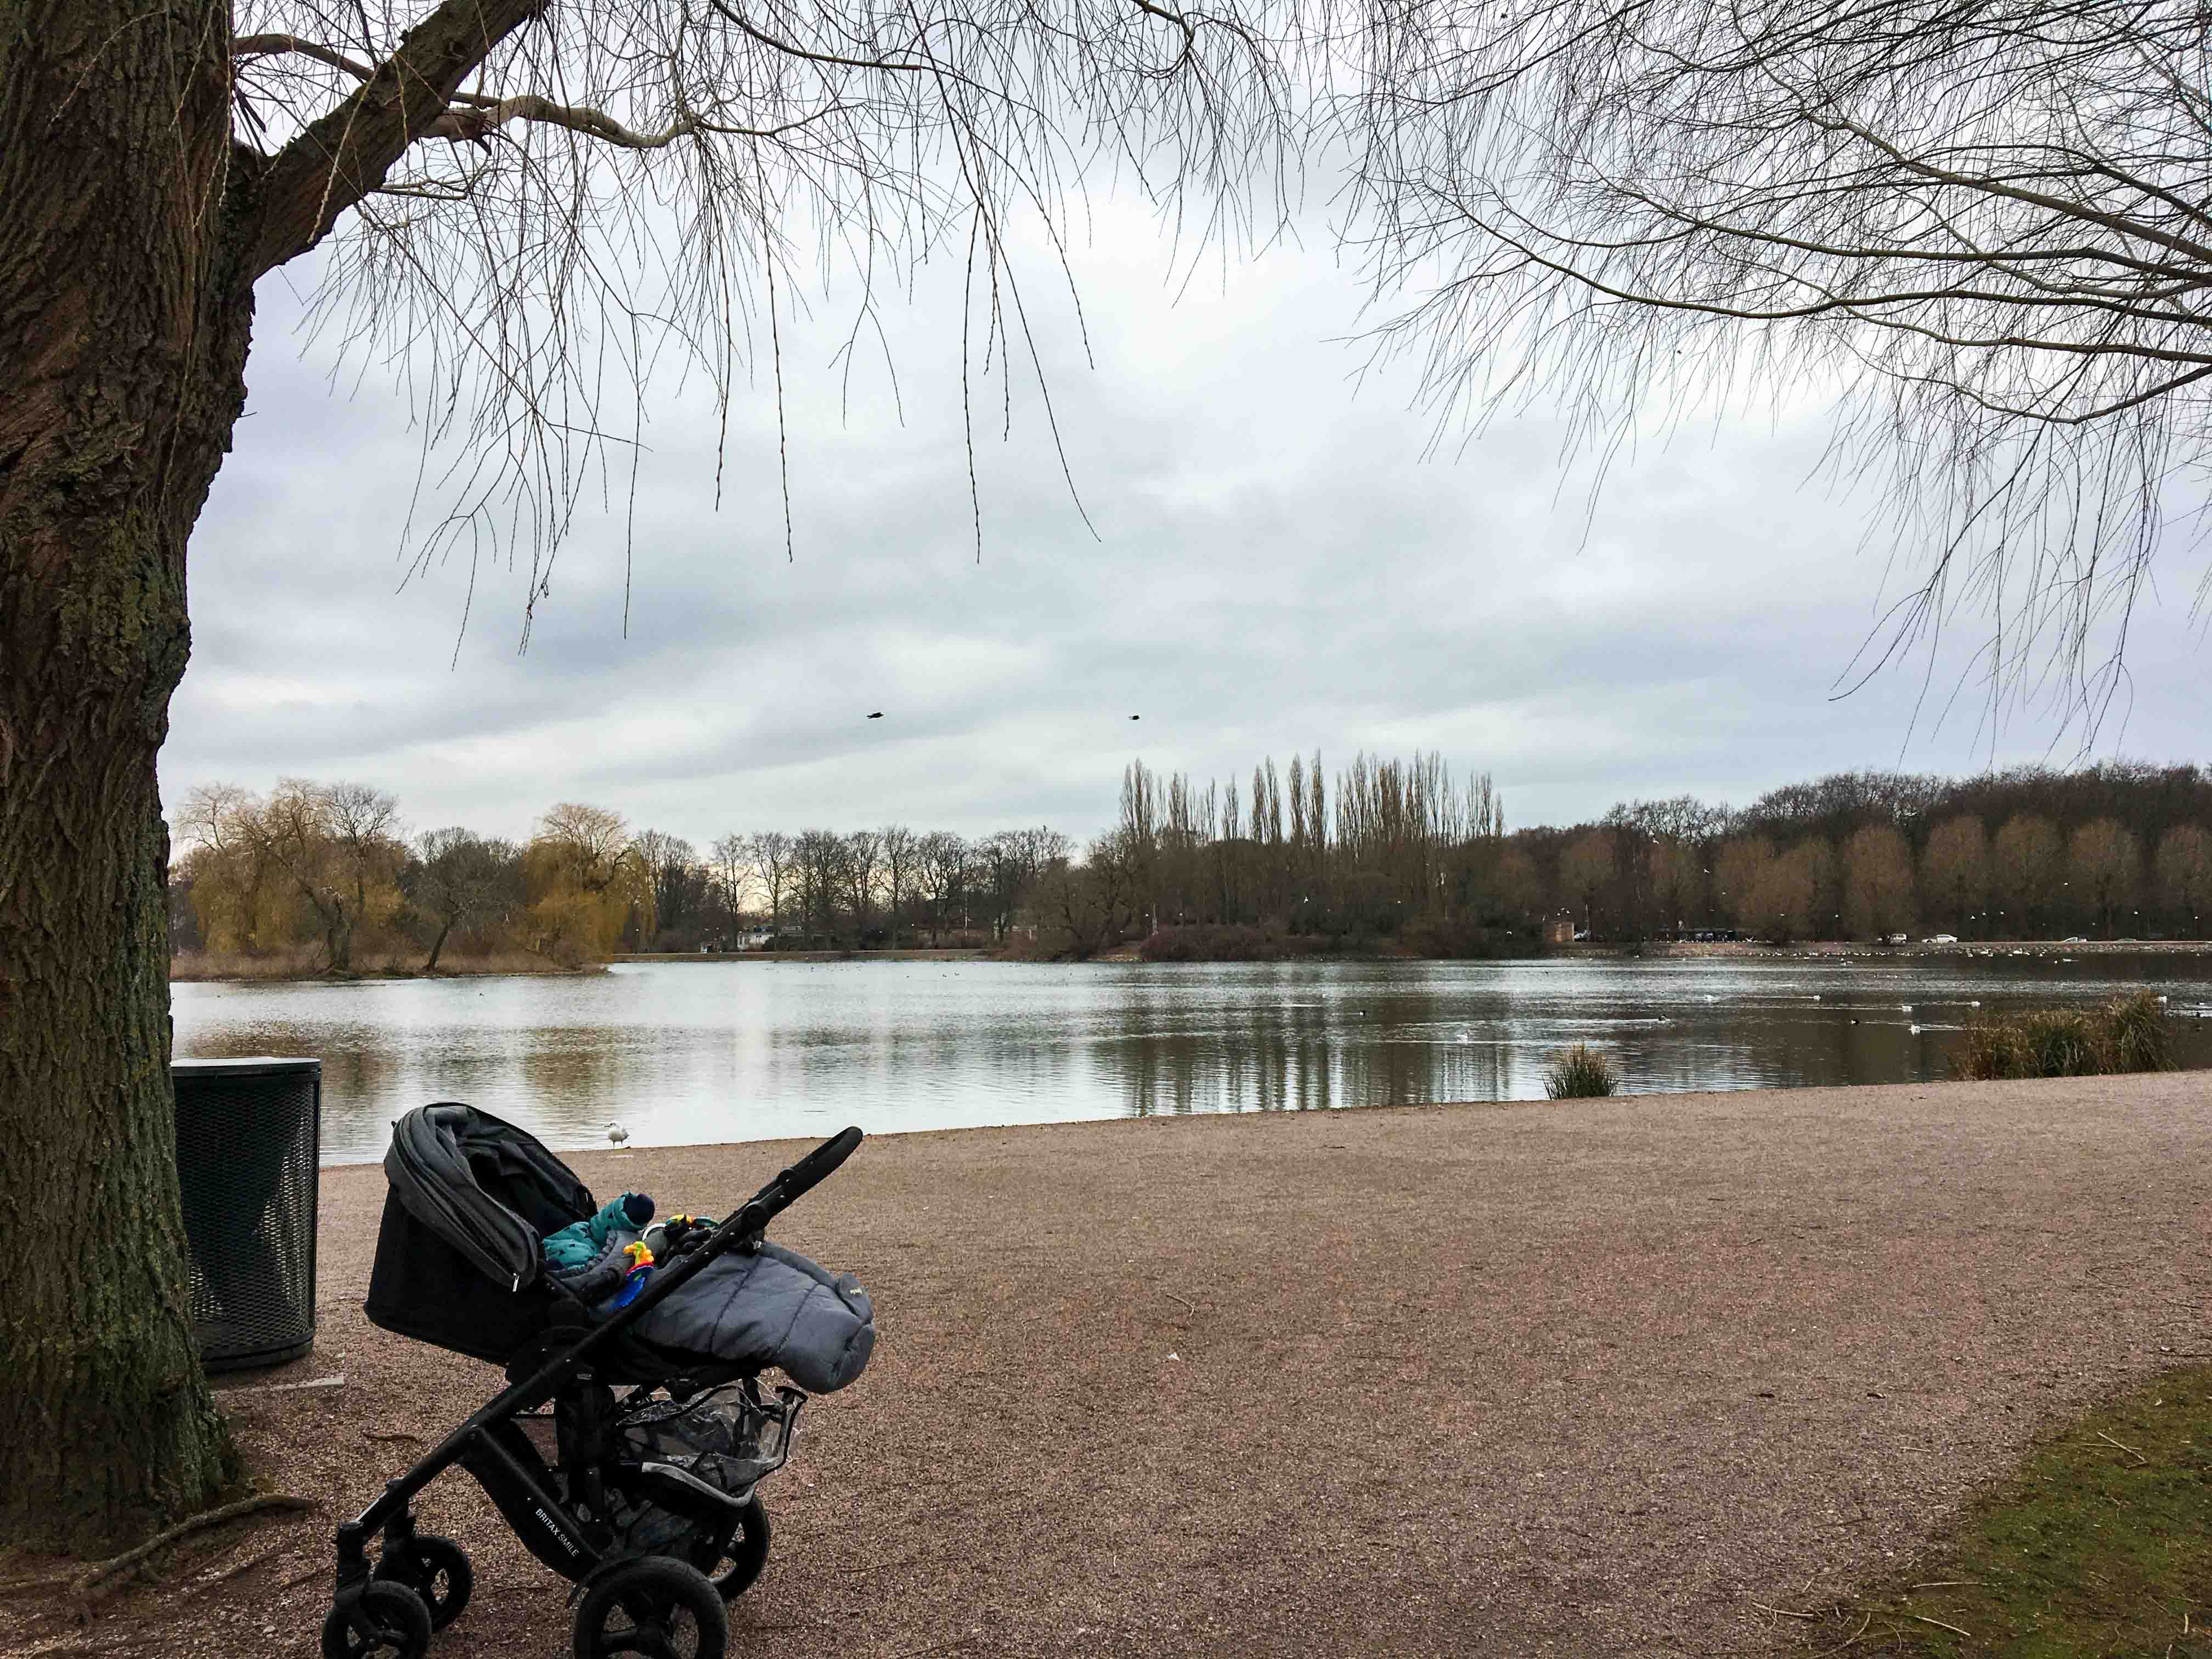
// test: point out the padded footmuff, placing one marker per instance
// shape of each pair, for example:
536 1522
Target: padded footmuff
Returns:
773 1308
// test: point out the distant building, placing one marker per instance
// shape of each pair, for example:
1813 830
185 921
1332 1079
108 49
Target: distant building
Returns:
1559 930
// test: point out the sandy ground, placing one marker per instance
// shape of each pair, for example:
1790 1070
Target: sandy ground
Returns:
1584 1378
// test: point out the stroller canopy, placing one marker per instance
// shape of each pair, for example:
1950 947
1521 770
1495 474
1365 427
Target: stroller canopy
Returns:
489 1189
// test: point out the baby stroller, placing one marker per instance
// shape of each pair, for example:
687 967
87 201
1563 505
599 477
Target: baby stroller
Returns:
646 1500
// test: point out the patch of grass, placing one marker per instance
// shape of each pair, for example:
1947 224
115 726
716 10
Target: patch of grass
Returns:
1579 1073
2125 1034
2099 1548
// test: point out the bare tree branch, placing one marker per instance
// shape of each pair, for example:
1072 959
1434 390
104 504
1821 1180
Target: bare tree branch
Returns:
340 158
1980 230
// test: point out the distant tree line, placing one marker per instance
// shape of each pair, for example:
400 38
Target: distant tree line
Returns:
1395 852
1386 854
2117 850
329 870
1395 856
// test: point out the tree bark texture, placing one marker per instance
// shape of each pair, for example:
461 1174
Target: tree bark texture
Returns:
132 228
124 311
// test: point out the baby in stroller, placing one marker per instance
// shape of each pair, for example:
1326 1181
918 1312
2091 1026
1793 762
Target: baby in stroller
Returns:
646 1500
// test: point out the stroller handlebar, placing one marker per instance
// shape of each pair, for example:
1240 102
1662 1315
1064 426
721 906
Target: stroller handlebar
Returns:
794 1183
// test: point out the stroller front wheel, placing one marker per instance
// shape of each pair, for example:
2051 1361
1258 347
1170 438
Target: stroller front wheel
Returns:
388 1622
655 1606
735 1565
437 1570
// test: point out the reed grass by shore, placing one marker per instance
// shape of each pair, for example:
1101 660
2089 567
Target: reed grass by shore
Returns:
1581 1073
2127 1034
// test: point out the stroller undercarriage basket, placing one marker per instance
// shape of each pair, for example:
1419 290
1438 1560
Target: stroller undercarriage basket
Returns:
689 1466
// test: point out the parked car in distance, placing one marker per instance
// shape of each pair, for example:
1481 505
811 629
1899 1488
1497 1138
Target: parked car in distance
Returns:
1941 938
1896 938
2074 938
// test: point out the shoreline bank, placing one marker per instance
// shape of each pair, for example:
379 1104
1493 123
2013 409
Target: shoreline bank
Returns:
190 969
1522 1379
186 970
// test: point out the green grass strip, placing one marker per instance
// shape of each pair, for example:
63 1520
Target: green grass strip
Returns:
2099 1548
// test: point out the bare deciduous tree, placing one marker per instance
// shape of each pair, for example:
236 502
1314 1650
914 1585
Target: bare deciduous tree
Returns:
460 880
1087 907
591 842
1954 868
531 208
2184 872
902 853
1877 894
1585 869
1785 890
2026 861
1736 871
335 842
942 868
1980 230
2104 864
772 860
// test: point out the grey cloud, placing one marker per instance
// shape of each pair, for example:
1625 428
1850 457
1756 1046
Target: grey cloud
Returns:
1276 568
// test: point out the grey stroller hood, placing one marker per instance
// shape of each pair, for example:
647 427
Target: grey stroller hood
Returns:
464 1267
444 1156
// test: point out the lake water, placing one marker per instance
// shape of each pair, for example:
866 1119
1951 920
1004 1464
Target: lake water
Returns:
691 1051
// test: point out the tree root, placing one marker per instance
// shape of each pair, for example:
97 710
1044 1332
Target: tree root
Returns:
81 1582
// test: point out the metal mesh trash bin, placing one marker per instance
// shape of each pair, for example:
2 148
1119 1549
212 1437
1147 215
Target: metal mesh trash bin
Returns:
249 1140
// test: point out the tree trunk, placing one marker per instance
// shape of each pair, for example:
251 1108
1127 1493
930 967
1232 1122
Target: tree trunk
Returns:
123 332
438 945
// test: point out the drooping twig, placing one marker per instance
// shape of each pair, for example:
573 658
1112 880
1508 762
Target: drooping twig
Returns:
1940 1625
2124 1446
1785 1611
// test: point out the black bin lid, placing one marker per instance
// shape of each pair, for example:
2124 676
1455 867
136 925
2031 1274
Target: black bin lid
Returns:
246 1066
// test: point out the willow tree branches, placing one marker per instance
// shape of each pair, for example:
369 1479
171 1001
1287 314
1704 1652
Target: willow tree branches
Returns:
529 209
1982 227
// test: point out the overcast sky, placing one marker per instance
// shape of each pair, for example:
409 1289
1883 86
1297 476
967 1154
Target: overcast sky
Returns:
1275 568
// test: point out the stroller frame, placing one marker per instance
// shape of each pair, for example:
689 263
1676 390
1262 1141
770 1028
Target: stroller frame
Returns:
492 1449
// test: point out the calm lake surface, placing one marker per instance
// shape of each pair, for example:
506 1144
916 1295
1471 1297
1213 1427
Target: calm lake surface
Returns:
693 1052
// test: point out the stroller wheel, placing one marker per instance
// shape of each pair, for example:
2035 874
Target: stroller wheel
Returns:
437 1570
735 1565
388 1622
656 1607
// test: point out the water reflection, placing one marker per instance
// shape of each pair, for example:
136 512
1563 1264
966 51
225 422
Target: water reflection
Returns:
689 1052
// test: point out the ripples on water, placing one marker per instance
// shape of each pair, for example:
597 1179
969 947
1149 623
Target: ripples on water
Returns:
690 1052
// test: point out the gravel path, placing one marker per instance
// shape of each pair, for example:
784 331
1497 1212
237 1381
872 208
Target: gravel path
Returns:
1518 1380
